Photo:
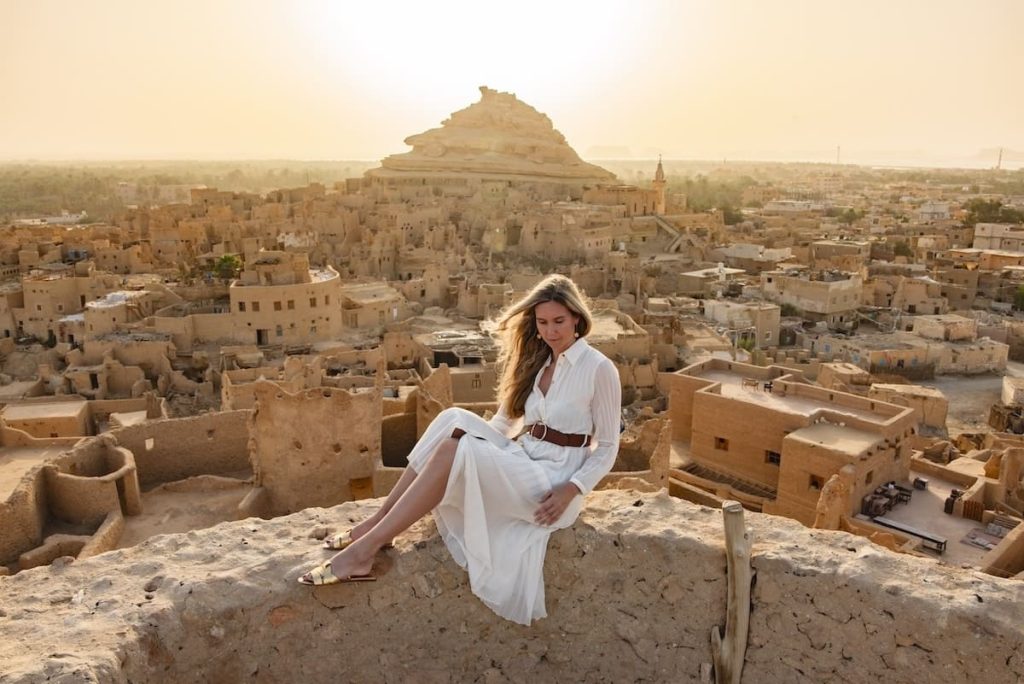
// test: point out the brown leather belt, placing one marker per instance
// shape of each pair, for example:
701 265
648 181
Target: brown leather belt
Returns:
549 434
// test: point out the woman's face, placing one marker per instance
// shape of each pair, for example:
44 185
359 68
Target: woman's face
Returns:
556 325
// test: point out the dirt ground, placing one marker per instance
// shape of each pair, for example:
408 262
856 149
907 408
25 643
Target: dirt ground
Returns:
166 511
971 397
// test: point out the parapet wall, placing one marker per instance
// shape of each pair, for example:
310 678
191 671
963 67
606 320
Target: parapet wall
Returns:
633 591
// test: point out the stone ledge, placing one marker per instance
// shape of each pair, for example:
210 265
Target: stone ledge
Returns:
633 590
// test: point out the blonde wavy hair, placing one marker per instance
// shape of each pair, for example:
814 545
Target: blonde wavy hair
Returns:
522 354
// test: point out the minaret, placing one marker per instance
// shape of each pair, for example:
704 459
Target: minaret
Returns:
659 187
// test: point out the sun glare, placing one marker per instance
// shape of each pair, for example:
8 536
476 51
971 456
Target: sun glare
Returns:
439 52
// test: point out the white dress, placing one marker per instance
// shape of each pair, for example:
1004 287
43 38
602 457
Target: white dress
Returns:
496 483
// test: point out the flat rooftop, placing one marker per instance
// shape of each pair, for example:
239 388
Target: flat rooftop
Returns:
732 387
16 462
16 390
713 272
51 409
906 340
319 275
130 336
607 328
448 338
702 336
118 298
994 252
910 390
943 318
887 341
757 305
367 293
845 439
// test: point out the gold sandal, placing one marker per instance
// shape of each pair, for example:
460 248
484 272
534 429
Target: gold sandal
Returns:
338 542
322 575
342 540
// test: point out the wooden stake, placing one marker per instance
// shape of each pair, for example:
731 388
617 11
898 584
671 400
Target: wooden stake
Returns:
729 651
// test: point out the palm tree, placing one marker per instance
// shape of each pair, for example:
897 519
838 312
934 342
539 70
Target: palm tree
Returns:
227 266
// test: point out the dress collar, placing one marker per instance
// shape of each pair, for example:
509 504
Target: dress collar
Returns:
572 354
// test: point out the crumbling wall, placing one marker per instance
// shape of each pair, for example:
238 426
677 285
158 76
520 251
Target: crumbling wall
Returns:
633 591
637 444
637 374
654 443
90 481
22 517
433 396
1007 558
176 448
318 447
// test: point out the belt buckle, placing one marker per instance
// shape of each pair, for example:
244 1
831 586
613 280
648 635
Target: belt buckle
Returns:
544 434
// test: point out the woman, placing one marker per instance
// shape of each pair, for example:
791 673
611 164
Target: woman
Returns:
498 491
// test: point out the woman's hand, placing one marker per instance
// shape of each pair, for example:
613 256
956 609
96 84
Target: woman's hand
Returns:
554 503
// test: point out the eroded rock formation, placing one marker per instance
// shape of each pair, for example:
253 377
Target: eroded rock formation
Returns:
498 137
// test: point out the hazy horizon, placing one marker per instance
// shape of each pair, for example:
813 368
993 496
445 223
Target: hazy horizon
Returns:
912 83
893 162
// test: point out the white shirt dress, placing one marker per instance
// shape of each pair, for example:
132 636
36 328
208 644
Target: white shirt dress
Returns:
496 483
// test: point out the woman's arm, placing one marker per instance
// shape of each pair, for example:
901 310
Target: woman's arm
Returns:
501 422
606 409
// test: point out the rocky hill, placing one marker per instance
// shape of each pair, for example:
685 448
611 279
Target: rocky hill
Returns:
499 137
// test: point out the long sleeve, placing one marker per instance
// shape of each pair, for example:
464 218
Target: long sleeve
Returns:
501 422
606 409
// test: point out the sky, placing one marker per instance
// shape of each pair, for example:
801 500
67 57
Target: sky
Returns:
689 79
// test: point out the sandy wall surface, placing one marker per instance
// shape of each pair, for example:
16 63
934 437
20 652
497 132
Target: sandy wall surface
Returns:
633 591
315 447
177 448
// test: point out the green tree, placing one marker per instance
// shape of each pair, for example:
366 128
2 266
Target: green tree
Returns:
227 266
703 193
731 216
851 216
901 248
991 211
1018 299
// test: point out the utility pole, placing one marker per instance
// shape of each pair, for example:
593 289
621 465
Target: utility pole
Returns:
837 154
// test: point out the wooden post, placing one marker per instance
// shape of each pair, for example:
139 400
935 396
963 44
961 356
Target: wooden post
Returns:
729 650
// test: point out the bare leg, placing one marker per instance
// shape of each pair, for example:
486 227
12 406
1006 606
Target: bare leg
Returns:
423 494
393 496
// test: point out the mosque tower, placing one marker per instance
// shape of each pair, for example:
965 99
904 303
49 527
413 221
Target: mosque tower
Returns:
659 187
